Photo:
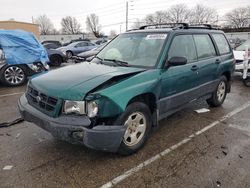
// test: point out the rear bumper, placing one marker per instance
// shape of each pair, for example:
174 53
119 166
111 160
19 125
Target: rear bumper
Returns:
75 129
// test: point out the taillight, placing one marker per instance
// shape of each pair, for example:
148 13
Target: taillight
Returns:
2 57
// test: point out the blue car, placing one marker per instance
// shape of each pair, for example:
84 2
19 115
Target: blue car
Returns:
76 47
21 56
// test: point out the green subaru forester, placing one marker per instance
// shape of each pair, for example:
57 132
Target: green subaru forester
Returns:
142 76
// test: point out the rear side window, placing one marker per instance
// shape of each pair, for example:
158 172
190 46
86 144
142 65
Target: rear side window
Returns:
204 46
221 43
183 46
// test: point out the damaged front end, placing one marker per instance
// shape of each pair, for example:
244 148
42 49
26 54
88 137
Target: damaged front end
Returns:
75 129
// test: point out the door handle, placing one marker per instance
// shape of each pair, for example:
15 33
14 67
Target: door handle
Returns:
194 68
217 61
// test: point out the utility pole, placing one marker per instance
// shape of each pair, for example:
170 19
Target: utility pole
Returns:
126 15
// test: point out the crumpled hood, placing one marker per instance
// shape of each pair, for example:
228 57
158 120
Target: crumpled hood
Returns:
75 81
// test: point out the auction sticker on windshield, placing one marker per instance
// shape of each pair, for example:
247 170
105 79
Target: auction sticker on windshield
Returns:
156 37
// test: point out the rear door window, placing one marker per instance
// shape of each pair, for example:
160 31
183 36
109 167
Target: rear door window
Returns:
183 46
221 43
204 46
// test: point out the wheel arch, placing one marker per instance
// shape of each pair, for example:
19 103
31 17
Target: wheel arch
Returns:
228 76
151 101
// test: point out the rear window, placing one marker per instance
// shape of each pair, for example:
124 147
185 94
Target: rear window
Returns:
204 45
221 43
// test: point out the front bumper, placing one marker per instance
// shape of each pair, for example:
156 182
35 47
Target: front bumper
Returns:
75 129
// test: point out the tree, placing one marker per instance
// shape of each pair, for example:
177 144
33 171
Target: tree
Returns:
137 24
70 25
238 17
178 13
157 18
202 14
45 25
92 22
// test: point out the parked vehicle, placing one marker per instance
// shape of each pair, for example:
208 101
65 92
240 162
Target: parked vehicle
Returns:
76 47
51 44
139 78
101 41
75 40
21 56
89 54
239 55
56 57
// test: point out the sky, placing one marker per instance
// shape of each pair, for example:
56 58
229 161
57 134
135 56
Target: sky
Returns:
112 13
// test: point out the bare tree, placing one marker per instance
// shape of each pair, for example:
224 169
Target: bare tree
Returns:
178 13
137 24
70 25
92 22
239 17
203 14
45 25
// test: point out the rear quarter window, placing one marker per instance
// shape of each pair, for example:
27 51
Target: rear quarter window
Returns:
221 43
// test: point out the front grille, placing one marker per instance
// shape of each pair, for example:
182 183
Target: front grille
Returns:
41 101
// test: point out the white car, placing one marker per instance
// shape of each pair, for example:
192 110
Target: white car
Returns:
239 53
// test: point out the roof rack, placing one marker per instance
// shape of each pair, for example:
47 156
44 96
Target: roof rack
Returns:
204 26
175 26
166 25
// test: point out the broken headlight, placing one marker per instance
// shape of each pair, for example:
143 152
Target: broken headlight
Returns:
92 108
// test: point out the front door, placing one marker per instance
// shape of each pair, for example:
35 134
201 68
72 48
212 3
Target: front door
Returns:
178 82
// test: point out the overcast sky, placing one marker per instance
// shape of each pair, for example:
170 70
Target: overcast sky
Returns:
111 12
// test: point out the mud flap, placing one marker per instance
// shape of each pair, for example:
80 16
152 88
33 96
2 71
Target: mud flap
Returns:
105 138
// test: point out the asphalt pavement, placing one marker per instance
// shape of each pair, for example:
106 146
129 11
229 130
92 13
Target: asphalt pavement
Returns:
188 149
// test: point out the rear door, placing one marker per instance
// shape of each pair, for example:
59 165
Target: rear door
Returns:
208 63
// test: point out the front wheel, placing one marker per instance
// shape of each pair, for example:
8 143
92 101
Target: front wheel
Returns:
13 75
137 119
219 94
69 54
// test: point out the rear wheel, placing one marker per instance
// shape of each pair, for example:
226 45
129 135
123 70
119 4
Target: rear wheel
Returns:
219 94
137 119
56 60
247 81
13 75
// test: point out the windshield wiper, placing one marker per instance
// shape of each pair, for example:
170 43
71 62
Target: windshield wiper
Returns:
118 62
101 60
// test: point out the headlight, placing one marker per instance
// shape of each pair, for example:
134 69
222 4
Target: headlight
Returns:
92 108
76 107
81 108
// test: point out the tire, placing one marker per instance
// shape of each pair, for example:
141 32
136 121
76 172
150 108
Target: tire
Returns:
56 60
137 130
247 81
13 75
69 54
219 94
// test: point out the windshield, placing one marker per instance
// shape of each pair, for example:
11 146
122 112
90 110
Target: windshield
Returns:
242 47
136 49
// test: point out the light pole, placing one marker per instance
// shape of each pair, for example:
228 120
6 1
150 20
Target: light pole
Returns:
126 15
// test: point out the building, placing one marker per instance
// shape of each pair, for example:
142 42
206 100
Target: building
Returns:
30 27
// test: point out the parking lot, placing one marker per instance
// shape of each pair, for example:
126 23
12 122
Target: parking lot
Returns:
188 149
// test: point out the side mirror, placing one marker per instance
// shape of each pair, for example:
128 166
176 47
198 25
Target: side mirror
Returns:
176 61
